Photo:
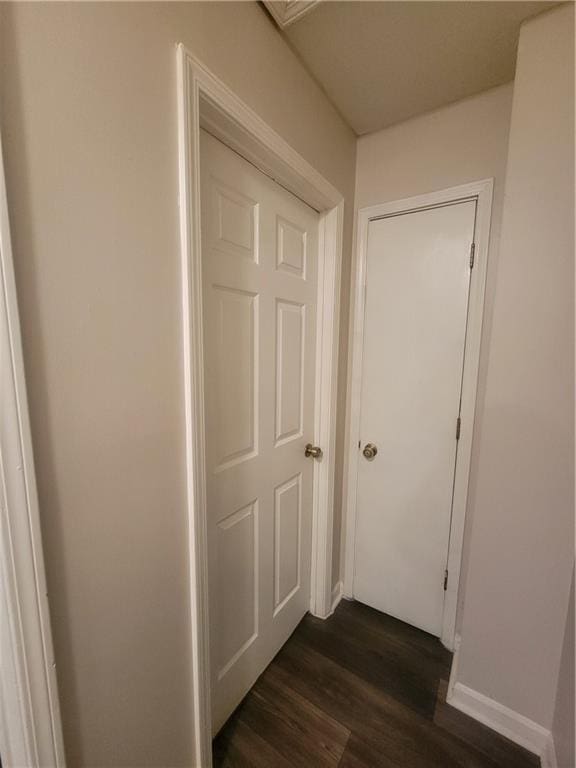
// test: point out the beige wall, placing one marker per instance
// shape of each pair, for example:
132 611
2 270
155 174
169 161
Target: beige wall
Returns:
522 541
464 142
563 723
89 130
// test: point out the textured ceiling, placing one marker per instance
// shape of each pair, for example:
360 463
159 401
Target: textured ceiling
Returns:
384 62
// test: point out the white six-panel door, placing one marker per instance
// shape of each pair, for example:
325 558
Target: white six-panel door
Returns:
259 248
418 277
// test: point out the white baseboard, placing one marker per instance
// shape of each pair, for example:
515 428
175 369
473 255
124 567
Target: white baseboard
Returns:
454 667
503 720
337 594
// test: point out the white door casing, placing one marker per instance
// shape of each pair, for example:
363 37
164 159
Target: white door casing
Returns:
481 192
30 725
204 100
260 246
418 274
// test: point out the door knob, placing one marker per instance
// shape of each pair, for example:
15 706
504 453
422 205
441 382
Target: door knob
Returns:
369 451
313 450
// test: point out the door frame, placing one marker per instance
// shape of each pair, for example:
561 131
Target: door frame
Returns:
481 191
30 725
204 101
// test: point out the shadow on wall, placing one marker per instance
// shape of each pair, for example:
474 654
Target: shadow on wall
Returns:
564 713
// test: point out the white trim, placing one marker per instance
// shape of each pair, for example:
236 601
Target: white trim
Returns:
454 667
30 727
548 757
482 191
286 12
204 101
501 719
327 344
337 595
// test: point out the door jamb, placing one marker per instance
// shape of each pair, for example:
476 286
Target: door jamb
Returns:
30 725
205 101
482 192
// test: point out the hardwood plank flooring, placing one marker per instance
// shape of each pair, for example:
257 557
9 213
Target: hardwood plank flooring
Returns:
359 690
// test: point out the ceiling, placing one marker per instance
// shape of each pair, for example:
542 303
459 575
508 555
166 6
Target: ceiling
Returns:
384 62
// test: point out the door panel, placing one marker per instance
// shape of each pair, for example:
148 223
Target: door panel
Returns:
235 375
237 604
415 323
259 246
291 248
290 338
287 525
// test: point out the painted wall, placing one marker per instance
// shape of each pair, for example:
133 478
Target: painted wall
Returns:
464 142
522 540
563 723
88 118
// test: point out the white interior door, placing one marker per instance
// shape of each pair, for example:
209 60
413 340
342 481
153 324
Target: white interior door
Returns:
259 251
418 276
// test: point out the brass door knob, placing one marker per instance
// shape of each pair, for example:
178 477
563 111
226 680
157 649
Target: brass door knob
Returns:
313 450
369 451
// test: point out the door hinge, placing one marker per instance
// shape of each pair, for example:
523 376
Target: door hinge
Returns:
445 580
458 425
472 252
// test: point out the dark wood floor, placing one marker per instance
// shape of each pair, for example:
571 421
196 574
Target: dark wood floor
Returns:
360 690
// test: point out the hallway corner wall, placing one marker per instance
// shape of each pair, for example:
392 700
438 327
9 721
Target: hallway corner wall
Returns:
522 538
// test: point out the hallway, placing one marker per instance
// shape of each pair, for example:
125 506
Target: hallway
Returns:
360 690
